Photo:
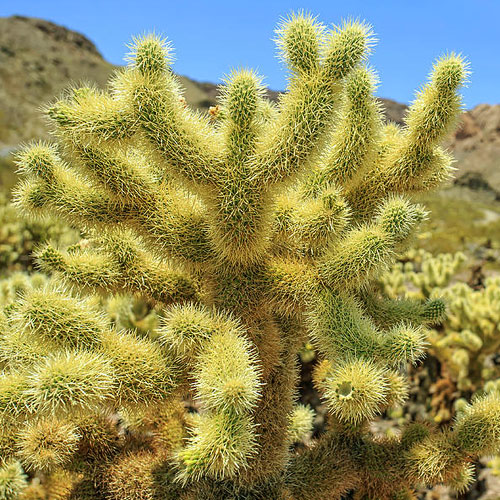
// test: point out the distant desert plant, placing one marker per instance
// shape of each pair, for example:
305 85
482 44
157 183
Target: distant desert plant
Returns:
250 229
465 344
19 236
469 337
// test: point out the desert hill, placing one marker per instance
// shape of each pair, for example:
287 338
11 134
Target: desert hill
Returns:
39 59
476 146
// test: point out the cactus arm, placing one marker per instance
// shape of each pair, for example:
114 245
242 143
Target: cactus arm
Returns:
80 207
47 444
430 118
126 175
368 248
436 457
415 161
237 205
175 226
339 329
353 143
143 273
89 268
227 374
91 113
113 270
182 139
69 381
242 108
227 385
58 319
13 480
87 363
288 283
306 110
371 246
143 373
52 184
389 312
301 424
13 398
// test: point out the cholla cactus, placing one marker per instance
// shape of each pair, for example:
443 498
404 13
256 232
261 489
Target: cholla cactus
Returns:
18 283
250 230
469 337
12 479
471 333
490 387
19 236
132 313
420 274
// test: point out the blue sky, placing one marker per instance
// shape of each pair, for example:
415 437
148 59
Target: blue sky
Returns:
211 37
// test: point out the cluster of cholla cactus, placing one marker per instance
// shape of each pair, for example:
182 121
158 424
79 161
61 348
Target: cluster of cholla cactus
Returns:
19 237
248 231
17 284
419 273
468 339
471 337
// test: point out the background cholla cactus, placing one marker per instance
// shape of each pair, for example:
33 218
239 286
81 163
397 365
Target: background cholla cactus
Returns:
19 236
17 283
472 335
468 338
131 313
248 231
419 273
464 347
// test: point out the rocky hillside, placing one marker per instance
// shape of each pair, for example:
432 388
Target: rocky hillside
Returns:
39 59
476 146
